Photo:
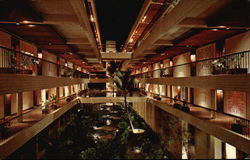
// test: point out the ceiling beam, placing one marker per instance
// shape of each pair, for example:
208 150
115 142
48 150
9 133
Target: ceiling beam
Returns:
60 19
202 23
194 22
49 19
81 13
55 47
77 41
163 43
85 51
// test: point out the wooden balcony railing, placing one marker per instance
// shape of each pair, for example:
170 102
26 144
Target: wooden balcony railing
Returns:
15 62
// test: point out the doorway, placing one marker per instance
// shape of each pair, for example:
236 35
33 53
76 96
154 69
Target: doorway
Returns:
220 100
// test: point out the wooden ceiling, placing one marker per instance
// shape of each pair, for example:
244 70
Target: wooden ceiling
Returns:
53 25
178 32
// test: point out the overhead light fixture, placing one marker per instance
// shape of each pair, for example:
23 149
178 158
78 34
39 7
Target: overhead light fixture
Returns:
131 40
40 55
193 57
214 29
170 63
92 18
144 18
25 21
31 25
221 26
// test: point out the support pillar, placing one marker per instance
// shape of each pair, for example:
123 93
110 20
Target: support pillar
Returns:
204 145
20 107
57 92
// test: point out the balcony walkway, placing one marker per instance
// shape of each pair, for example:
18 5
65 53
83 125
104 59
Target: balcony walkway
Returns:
212 116
30 117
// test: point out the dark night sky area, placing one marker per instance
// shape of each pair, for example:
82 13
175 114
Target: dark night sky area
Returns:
116 18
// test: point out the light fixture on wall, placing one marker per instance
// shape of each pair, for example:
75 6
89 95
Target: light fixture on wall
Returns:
178 87
193 57
40 55
170 63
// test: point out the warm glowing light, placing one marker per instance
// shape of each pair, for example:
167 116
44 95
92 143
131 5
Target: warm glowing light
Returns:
170 63
25 21
31 25
214 29
92 18
137 150
144 18
108 122
221 26
131 40
178 87
40 55
66 64
219 91
193 57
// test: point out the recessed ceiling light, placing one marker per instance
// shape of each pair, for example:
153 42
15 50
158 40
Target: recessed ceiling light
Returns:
25 21
31 25
221 26
92 18
214 29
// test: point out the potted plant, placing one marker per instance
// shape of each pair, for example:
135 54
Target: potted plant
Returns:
157 97
45 108
239 125
53 99
185 108
177 106
4 126
25 65
220 66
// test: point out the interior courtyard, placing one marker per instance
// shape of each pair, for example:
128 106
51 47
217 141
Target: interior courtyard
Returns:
129 79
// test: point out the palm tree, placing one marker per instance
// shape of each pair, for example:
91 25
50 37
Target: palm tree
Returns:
125 82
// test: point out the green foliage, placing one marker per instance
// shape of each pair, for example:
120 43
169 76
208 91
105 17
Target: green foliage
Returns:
76 140
89 153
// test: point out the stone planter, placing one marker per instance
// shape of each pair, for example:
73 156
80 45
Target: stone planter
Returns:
238 71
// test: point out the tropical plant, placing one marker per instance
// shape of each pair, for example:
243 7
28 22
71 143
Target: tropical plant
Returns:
12 59
220 64
125 82
25 62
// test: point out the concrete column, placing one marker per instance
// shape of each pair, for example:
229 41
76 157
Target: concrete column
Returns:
20 106
57 92
171 93
69 89
204 145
